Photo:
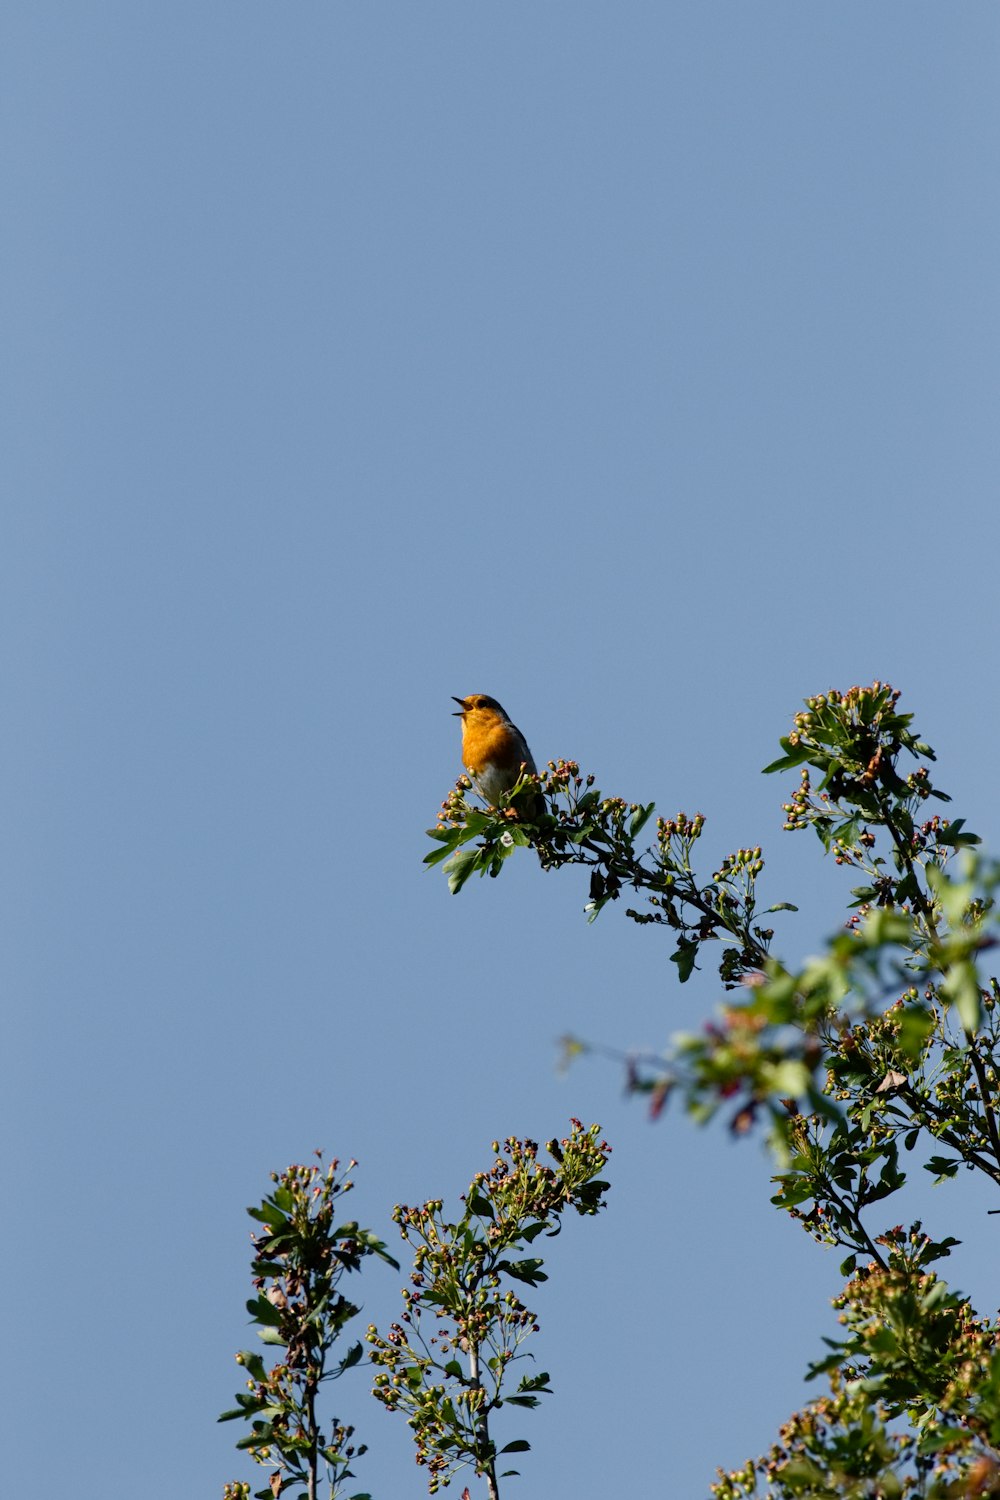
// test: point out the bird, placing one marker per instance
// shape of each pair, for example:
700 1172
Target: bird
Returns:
494 751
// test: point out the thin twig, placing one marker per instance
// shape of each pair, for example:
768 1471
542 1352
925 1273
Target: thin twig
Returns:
855 1218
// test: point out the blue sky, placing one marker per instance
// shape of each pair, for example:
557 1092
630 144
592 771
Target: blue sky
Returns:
635 364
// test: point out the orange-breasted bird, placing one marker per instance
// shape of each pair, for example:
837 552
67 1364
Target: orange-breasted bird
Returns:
494 751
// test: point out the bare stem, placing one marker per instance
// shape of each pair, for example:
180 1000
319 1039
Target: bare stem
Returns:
488 1467
633 872
989 1114
310 1404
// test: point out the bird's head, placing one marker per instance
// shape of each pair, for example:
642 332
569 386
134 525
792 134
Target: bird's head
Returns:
478 704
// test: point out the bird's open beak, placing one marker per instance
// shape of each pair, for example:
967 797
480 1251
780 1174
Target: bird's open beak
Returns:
461 711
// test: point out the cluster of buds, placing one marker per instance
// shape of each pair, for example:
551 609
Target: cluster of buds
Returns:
416 1218
858 700
736 1483
864 719
563 773
918 783
681 827
815 1222
847 854
454 808
431 1430
675 838
897 1237
745 863
861 705
797 809
915 1301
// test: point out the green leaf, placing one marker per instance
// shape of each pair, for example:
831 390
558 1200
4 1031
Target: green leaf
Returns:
942 1166
351 1358
884 926
942 1437
517 1446
794 1191
915 1026
797 756
847 832
684 956
265 1214
780 906
479 1204
790 1077
436 856
254 1365
444 835
954 838
460 867
640 819
260 1434
961 988
529 1271
831 1362
263 1311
